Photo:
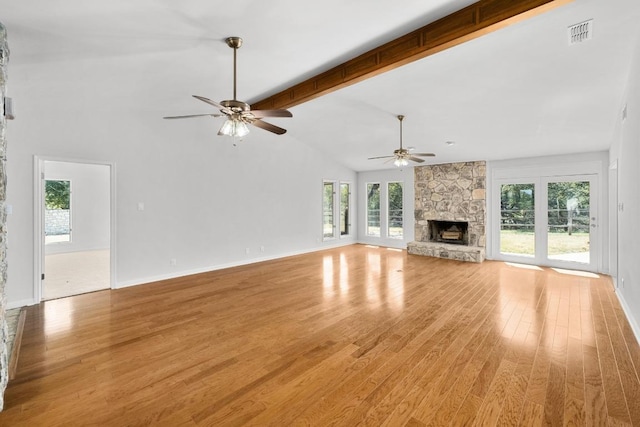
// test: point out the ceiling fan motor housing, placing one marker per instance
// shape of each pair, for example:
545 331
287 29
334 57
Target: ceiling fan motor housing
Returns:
235 105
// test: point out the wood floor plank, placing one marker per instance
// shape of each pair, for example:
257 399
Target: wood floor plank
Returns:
574 398
554 402
532 414
594 396
453 400
429 382
354 335
489 411
511 411
626 368
614 395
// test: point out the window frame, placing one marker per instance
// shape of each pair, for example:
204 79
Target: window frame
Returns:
366 224
332 205
349 210
388 210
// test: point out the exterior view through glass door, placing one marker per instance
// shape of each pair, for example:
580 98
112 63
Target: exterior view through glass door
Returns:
571 222
517 219
550 221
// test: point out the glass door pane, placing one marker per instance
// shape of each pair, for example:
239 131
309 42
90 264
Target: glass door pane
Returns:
395 199
569 221
327 210
345 196
517 219
373 209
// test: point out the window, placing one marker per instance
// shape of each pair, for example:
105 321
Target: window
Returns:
328 203
57 223
373 209
345 200
394 209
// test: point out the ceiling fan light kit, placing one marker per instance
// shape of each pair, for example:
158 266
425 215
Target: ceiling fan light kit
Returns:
401 162
234 127
402 155
238 113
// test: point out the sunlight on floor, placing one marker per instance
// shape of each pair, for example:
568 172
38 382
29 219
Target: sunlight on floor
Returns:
576 273
525 266
58 316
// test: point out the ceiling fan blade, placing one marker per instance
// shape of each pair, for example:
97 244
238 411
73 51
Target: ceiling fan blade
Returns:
380 157
423 154
214 103
258 114
191 115
268 126
416 159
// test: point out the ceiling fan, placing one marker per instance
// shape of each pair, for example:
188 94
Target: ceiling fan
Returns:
239 113
401 155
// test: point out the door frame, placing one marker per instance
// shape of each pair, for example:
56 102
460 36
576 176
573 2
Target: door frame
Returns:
533 171
595 245
38 218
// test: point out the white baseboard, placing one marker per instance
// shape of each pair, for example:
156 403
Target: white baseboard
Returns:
142 281
23 303
629 314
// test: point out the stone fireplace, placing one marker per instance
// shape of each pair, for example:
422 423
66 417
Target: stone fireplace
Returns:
450 211
4 356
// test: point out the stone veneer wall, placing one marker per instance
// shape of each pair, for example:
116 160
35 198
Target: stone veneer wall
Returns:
4 356
451 192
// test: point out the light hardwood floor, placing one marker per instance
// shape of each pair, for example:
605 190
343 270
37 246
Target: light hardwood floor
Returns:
348 336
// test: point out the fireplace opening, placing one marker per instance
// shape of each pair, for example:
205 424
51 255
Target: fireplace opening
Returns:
455 232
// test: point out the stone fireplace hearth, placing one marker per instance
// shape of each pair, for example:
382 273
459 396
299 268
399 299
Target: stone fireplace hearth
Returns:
450 211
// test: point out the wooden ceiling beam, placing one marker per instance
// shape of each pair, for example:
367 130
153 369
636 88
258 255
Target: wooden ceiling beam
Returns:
469 23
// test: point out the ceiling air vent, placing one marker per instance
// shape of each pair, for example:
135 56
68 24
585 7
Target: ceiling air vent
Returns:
580 32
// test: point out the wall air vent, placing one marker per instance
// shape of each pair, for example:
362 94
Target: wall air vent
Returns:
580 32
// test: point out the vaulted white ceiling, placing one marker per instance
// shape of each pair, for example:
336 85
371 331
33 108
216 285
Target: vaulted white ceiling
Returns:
519 92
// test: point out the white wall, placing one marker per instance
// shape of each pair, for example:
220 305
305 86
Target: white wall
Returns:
90 205
205 201
625 152
404 175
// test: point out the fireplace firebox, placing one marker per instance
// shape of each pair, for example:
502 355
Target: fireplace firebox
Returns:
454 232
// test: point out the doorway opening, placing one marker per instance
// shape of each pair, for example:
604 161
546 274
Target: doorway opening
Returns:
74 228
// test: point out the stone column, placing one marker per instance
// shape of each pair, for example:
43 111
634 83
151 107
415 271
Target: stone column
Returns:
4 356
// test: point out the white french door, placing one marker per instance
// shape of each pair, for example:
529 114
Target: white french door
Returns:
551 221
570 235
